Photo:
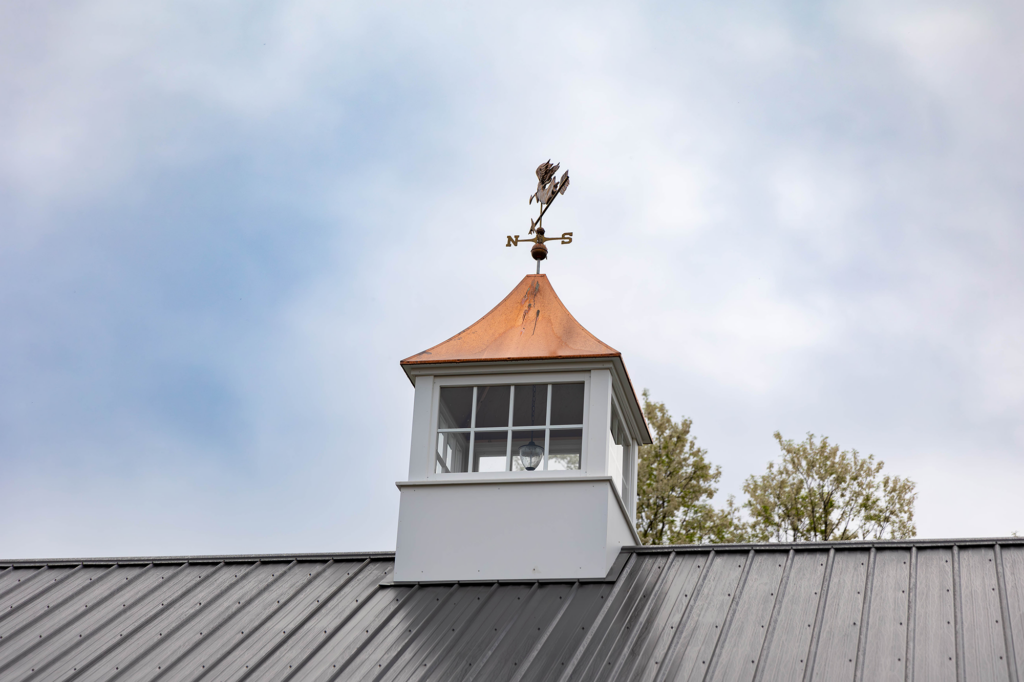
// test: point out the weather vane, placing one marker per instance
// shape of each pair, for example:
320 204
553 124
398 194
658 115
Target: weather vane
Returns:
548 189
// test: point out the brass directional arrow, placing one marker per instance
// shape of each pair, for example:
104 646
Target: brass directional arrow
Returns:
566 238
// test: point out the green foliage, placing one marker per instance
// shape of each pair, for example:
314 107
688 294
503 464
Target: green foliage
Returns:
819 492
675 484
816 491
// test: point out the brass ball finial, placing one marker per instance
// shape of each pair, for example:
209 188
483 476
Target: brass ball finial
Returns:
539 251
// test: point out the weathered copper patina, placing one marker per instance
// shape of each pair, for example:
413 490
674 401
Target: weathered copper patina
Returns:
531 323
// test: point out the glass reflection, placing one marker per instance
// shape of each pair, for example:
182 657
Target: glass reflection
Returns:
566 404
492 406
531 408
489 449
452 455
456 407
565 448
478 437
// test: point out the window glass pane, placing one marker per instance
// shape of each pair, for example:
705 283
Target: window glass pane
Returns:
456 407
565 446
489 449
452 454
618 439
460 422
621 434
567 404
531 405
622 442
492 406
520 438
491 464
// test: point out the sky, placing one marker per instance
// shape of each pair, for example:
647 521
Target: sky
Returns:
223 224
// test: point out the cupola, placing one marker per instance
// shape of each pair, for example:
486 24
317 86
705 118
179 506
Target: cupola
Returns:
523 457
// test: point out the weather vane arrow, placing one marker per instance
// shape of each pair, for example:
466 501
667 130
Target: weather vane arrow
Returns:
548 189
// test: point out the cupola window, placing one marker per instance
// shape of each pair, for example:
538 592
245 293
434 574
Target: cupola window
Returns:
521 427
619 453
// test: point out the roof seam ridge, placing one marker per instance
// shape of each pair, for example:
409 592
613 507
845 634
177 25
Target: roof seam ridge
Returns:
276 578
581 649
640 583
730 615
167 666
773 619
174 629
459 636
337 628
1004 608
911 616
57 630
104 623
642 618
195 559
496 642
299 589
865 614
834 544
672 663
320 603
819 616
542 640
22 583
139 626
958 617
40 593
408 645
42 614
377 630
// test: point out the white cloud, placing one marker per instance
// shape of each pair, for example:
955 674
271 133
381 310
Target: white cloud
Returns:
786 220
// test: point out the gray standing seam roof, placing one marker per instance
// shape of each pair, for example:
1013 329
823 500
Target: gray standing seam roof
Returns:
859 611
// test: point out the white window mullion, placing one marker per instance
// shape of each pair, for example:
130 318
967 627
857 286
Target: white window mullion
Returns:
472 413
444 467
443 460
547 429
508 442
472 435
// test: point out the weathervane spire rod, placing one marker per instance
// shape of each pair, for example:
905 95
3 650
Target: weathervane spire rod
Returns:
548 189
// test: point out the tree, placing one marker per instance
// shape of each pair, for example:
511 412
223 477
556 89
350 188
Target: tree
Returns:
675 484
819 492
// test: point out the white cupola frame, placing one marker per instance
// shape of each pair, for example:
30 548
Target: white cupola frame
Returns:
523 457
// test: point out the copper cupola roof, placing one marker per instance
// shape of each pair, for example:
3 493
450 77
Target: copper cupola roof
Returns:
531 323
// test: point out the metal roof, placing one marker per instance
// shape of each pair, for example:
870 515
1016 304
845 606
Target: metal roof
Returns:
922 610
531 323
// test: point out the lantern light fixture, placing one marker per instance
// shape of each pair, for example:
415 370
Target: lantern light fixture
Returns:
530 455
